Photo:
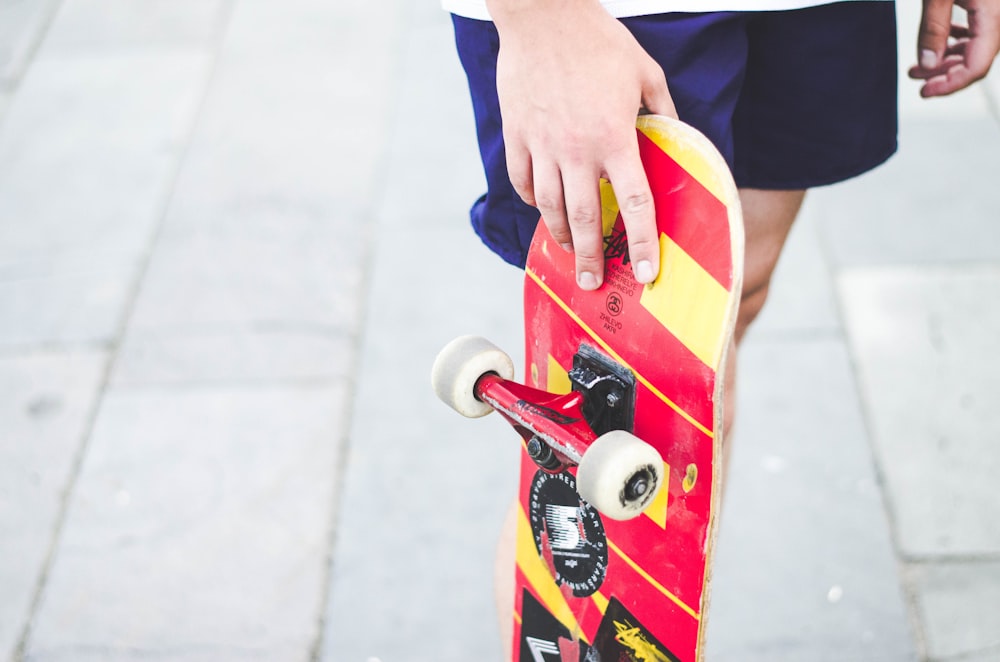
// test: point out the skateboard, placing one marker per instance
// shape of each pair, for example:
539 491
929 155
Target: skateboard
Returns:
620 418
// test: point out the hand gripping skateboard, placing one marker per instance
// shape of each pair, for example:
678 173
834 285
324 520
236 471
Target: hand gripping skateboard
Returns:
620 420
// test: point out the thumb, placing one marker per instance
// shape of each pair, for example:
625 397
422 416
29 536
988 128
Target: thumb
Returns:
935 26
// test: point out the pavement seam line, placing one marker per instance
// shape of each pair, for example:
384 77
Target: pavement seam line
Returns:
113 347
907 584
369 258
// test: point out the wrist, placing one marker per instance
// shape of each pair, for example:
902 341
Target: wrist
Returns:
529 14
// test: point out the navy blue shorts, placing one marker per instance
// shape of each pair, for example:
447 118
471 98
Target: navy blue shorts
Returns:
792 99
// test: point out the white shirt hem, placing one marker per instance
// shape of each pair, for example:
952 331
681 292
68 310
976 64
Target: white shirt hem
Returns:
622 8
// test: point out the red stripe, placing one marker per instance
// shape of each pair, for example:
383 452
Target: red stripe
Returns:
688 213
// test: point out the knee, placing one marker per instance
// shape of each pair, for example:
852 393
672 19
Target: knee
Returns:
751 304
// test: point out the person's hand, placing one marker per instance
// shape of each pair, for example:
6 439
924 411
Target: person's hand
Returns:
951 57
571 81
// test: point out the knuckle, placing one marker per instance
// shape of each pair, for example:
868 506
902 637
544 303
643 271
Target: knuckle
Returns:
520 182
559 232
522 186
583 217
588 258
936 29
936 25
636 203
643 246
547 201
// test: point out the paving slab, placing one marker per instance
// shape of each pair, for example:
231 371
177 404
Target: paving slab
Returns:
83 308
992 88
433 159
46 403
267 236
805 567
22 24
958 602
426 490
265 268
198 528
227 355
4 102
416 536
924 339
87 151
935 202
102 26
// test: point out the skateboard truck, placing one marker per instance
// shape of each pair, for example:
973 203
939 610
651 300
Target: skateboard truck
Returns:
608 390
589 428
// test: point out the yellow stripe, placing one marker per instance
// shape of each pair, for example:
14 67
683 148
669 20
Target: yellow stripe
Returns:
558 379
609 207
697 157
689 302
601 602
607 348
655 584
657 509
540 578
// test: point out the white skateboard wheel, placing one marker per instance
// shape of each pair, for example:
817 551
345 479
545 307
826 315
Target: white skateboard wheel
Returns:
619 475
459 366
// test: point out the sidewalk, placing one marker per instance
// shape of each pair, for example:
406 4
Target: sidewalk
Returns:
233 237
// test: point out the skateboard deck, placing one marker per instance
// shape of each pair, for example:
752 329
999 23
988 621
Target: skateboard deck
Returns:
590 588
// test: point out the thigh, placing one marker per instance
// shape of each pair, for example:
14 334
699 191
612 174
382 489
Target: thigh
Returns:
818 103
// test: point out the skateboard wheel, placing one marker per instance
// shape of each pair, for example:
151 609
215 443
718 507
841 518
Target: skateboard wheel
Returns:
459 366
619 475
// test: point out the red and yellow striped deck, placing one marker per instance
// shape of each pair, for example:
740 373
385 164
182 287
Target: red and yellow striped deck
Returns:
640 586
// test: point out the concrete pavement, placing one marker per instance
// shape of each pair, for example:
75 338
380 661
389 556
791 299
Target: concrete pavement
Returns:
232 238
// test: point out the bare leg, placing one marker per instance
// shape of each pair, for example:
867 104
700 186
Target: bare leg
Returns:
503 577
767 216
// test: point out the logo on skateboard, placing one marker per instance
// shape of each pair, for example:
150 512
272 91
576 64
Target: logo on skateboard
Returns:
622 637
568 533
616 245
615 304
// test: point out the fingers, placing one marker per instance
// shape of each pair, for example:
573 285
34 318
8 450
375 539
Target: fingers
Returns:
952 57
567 195
635 202
570 205
656 97
963 64
519 169
583 213
550 199
935 27
569 202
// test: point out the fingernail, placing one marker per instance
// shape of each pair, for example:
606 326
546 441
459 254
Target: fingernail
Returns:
928 59
587 281
644 271
568 247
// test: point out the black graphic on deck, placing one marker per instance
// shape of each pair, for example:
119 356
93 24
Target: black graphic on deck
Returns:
541 633
616 245
622 638
568 531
